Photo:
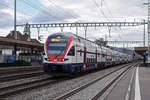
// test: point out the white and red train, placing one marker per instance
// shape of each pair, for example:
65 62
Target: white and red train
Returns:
67 53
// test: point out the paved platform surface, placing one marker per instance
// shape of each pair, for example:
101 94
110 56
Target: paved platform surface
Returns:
144 78
135 85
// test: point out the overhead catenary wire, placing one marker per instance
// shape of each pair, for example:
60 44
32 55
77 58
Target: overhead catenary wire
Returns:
104 3
102 12
25 17
29 5
109 11
58 6
5 5
63 12
40 8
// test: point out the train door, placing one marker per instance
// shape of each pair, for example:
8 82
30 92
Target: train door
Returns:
71 54
77 49
78 53
84 59
96 54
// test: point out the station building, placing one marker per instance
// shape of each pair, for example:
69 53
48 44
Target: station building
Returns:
24 48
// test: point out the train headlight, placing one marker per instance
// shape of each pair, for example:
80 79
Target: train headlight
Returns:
65 59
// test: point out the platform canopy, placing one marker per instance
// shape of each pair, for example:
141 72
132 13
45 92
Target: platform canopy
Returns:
21 43
140 50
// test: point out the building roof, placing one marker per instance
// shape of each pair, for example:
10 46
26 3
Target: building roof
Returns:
19 35
9 41
6 47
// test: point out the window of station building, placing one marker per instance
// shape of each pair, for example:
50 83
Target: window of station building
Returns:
72 51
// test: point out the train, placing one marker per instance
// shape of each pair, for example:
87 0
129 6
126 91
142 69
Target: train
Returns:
66 53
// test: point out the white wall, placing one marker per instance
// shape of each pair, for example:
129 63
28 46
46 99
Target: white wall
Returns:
7 51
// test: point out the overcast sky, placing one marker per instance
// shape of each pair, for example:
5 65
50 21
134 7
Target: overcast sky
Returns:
47 11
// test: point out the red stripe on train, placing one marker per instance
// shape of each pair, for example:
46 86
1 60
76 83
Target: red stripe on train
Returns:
59 58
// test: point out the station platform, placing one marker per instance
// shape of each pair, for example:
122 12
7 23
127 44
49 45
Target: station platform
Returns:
135 85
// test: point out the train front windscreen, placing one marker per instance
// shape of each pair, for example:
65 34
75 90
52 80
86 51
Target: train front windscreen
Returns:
56 44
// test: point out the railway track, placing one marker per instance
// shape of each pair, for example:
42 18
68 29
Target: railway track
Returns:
100 93
19 88
24 87
11 70
20 76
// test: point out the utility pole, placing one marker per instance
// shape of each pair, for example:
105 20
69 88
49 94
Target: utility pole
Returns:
144 35
38 33
77 31
85 29
15 33
109 30
61 29
148 31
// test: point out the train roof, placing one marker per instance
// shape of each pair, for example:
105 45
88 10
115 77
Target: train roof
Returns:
81 39
68 34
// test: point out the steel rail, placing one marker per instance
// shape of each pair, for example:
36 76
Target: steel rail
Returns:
76 90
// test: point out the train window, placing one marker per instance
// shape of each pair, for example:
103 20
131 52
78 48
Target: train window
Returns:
88 60
79 39
103 55
98 54
72 51
80 52
93 60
